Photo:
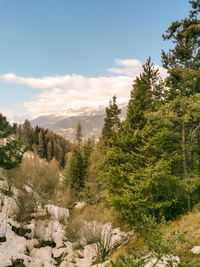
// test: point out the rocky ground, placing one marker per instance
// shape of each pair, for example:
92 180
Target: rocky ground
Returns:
43 242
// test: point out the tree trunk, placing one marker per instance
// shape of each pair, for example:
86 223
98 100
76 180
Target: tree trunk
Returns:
184 159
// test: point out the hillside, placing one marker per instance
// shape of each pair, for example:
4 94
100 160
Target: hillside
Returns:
36 232
91 119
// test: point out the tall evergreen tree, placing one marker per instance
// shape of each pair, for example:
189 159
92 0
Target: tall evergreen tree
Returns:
76 172
41 147
27 134
138 179
147 92
79 134
111 122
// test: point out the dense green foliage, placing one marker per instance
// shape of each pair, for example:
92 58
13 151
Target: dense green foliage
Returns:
111 122
44 142
77 164
10 149
152 166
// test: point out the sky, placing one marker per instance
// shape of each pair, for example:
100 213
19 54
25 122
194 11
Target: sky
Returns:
61 54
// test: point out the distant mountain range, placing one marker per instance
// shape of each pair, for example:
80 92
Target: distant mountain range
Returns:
65 123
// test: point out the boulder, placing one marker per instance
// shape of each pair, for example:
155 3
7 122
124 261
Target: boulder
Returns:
43 253
64 264
4 185
196 250
57 213
7 204
58 252
80 205
47 230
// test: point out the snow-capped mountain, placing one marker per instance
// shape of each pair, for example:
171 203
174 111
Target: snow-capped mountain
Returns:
65 122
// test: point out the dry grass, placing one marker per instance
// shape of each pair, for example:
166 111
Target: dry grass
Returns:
101 212
189 223
135 245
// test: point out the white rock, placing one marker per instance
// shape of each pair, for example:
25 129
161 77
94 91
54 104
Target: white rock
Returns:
70 251
7 204
13 248
31 243
47 230
4 184
43 253
80 205
57 213
64 264
59 243
58 252
196 250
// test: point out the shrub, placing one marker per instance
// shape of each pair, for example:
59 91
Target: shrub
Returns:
26 205
132 261
17 263
73 229
44 243
21 231
101 237
2 239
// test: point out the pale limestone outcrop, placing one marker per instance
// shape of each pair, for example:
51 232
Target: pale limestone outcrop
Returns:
57 213
17 247
43 253
47 230
196 250
7 205
4 184
64 264
80 205
57 252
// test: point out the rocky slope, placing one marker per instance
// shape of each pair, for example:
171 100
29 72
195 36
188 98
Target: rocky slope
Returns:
43 241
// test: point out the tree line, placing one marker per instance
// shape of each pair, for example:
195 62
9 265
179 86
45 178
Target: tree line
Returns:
151 160
44 142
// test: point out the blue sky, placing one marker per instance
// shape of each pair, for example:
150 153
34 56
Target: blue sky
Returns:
77 45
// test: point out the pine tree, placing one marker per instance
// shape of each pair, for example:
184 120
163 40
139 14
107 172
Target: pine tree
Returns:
19 132
111 122
76 170
40 148
147 92
27 134
49 151
132 170
79 134
183 61
11 152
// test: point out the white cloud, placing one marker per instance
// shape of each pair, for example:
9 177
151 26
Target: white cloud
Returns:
13 117
71 91
132 68
127 67
81 91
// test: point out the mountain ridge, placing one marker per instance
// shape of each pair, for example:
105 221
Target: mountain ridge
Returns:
65 123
